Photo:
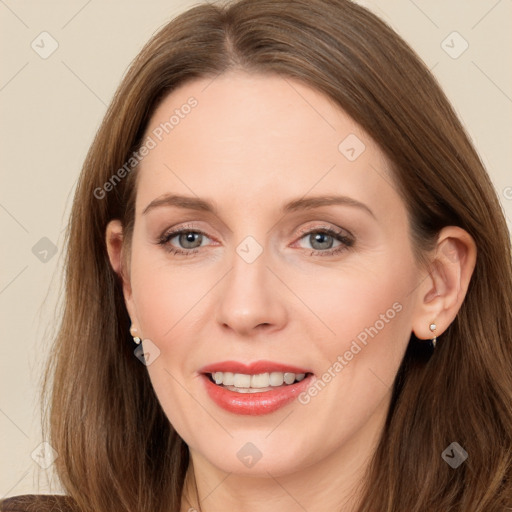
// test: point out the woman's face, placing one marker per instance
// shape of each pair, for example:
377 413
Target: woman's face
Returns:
294 263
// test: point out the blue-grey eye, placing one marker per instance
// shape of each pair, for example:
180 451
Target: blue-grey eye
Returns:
189 239
321 241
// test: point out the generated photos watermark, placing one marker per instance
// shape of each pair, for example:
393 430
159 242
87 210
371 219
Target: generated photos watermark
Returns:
151 142
356 346
454 455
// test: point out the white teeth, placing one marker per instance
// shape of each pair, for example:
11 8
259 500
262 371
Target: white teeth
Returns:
242 381
228 378
276 379
289 378
258 381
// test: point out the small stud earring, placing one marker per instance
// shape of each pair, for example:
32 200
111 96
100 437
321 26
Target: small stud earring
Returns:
433 328
135 336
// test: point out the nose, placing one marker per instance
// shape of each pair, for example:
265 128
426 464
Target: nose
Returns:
251 298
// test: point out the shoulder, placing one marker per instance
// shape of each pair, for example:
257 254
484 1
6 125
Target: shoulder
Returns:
38 503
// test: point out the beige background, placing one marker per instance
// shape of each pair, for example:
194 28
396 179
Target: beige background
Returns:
51 108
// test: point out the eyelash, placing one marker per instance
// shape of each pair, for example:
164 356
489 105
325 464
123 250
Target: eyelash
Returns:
346 241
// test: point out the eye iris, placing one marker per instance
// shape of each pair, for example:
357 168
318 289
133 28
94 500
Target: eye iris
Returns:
320 237
188 238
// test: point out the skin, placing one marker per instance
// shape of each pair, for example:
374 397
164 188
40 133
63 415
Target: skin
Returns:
252 144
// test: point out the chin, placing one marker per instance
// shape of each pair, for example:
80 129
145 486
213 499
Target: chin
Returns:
257 455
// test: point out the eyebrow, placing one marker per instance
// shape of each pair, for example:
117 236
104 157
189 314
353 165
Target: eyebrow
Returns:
195 203
190 203
307 203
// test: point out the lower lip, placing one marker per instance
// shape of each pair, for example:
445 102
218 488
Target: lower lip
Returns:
255 404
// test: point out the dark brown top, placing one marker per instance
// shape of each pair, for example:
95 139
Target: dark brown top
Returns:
38 503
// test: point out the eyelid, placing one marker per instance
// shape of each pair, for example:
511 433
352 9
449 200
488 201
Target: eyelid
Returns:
328 228
170 233
342 235
184 227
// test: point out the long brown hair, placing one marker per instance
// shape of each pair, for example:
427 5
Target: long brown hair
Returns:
117 450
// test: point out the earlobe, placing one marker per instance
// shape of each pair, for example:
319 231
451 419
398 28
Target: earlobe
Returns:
442 292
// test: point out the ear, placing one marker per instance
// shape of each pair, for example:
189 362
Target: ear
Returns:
114 242
443 290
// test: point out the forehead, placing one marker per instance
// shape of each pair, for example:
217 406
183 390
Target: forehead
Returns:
257 137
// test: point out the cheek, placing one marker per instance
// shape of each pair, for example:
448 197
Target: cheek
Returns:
167 299
165 295
358 301
369 314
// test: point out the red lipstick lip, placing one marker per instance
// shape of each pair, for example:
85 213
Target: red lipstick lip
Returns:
255 404
254 368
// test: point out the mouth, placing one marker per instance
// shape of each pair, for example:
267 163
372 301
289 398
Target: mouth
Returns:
259 383
256 388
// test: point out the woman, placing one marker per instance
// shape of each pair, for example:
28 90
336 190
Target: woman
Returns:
288 281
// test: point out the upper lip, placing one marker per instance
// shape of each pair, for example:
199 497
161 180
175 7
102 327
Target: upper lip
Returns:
253 368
